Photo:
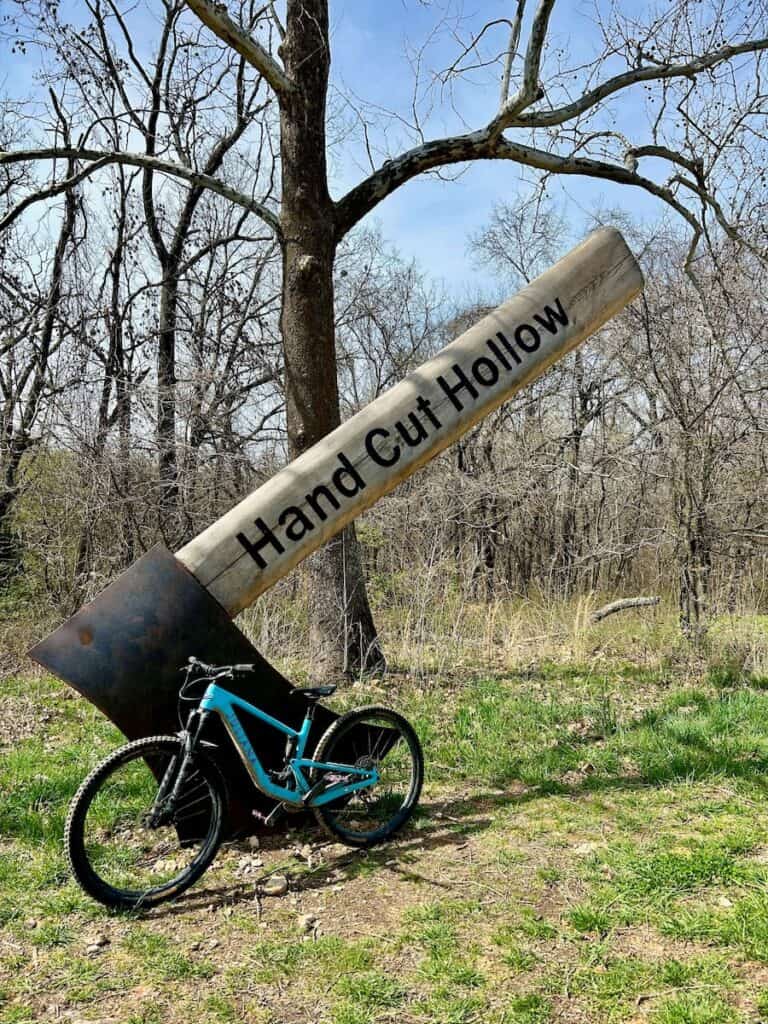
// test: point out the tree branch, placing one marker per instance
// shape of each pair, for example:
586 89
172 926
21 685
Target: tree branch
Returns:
150 139
393 173
695 167
276 19
148 163
549 118
489 143
483 145
699 188
514 42
216 18
48 193
530 89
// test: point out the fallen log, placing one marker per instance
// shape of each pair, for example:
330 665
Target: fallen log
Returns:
622 605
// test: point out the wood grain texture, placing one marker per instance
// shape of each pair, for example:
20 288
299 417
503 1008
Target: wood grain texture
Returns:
277 526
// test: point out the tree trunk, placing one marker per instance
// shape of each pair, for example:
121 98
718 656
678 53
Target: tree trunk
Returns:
695 569
10 549
342 633
570 528
166 392
17 428
695 546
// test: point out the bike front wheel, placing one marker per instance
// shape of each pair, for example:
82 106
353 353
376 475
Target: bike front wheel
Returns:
123 848
379 738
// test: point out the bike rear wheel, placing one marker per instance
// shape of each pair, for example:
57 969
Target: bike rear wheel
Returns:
371 737
120 851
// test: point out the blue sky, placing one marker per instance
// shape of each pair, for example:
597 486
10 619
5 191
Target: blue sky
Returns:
428 220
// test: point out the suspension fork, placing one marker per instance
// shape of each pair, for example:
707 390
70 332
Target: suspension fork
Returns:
165 801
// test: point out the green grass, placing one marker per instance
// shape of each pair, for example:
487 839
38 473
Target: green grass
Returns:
160 958
363 995
701 1008
590 844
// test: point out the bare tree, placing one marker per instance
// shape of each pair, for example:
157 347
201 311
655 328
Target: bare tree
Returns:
388 318
33 326
703 394
172 106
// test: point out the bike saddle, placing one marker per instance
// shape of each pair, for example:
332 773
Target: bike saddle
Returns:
314 692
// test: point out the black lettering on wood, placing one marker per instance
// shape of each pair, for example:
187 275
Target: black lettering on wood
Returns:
550 315
346 479
451 390
499 354
508 346
254 548
297 523
490 371
379 457
313 500
424 405
527 346
420 431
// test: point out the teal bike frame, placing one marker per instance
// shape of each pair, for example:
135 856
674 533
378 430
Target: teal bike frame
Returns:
226 705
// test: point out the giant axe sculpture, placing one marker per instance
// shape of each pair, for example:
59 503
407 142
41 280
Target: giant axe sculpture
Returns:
124 649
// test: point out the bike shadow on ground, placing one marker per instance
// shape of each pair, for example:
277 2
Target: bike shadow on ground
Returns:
438 825
441 823
452 820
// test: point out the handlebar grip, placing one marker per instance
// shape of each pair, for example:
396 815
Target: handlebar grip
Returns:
243 668
196 663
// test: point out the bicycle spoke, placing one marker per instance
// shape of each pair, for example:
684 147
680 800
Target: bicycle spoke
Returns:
203 798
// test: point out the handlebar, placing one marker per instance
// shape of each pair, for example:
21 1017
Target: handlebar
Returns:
198 675
218 670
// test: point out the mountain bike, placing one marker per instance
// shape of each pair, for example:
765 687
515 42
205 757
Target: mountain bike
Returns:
147 822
